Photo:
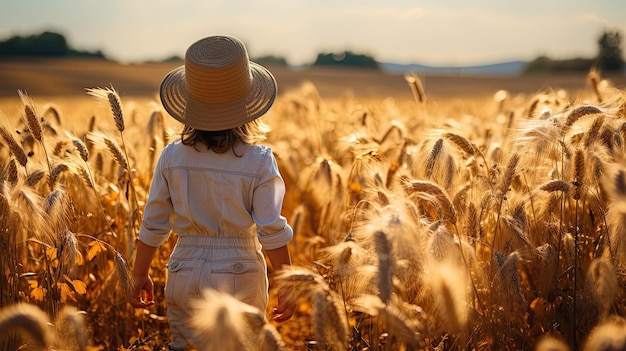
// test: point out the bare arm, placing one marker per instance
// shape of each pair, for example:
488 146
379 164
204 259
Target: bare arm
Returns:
281 259
141 277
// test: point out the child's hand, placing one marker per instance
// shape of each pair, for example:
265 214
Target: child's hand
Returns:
140 284
286 304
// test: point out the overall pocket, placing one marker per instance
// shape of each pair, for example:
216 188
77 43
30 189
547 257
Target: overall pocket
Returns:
244 279
182 281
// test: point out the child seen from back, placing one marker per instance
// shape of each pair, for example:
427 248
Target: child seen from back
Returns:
217 188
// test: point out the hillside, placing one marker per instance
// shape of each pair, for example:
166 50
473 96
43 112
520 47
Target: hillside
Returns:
511 68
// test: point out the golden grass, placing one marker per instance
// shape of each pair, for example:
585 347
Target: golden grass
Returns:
426 224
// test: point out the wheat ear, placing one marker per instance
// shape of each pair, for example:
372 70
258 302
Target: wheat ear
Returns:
551 343
71 329
461 143
472 225
579 172
385 269
320 322
609 335
81 148
111 96
34 125
32 122
580 111
417 87
594 80
433 156
555 185
594 130
55 111
11 172
509 173
603 284
28 320
442 199
35 177
15 148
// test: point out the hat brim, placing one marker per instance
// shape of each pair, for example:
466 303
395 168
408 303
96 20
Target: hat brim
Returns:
218 116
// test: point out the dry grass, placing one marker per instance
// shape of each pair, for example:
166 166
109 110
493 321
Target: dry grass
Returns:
487 224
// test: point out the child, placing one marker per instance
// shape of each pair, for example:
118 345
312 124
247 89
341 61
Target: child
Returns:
216 188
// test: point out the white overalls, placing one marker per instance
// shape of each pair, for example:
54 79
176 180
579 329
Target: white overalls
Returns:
224 209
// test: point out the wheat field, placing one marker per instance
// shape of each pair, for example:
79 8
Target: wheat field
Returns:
493 223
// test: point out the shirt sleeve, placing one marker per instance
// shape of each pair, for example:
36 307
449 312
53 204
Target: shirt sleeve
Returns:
267 202
155 227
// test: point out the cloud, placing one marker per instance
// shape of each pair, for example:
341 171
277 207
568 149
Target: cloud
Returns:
595 18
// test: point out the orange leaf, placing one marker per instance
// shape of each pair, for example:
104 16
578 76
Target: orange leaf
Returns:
79 259
51 253
79 286
38 293
66 292
96 248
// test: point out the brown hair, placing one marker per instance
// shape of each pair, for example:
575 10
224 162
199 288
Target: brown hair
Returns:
222 140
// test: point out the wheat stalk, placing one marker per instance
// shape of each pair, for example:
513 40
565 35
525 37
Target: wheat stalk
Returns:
319 318
594 130
509 173
509 282
579 172
30 321
32 122
417 87
609 335
603 284
111 96
120 154
67 249
551 343
472 225
59 148
218 315
57 171
593 77
11 173
443 201
434 154
385 269
399 326
555 185
15 148
462 143
102 141
55 111
347 258
580 111
449 292
81 148
72 333
270 339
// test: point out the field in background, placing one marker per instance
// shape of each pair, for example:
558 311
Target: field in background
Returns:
489 216
70 78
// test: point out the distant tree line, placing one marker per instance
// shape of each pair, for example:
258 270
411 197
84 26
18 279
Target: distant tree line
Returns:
346 58
46 44
609 58
342 59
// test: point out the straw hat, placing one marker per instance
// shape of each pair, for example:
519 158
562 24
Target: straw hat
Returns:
218 88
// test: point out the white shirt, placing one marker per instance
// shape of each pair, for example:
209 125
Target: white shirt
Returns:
196 191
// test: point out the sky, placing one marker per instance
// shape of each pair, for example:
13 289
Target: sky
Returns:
431 32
